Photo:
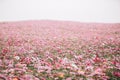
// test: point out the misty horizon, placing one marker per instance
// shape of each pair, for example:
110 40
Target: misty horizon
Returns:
102 11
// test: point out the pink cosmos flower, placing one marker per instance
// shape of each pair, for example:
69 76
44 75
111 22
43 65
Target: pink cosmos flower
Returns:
117 74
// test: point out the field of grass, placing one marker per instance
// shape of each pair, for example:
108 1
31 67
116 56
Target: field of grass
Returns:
59 50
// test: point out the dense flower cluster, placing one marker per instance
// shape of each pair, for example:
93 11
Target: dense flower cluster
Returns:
53 50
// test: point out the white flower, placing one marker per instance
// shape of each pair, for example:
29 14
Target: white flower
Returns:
74 65
17 57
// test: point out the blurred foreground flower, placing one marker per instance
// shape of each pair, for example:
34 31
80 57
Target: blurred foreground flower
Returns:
60 74
15 78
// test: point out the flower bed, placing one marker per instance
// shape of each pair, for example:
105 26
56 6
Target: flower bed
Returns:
53 50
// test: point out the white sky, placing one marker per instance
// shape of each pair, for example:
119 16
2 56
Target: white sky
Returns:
71 10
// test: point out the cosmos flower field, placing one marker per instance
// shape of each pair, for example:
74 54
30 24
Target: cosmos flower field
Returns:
59 50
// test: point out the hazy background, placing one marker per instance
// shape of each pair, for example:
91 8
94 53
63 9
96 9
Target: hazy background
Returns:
70 10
